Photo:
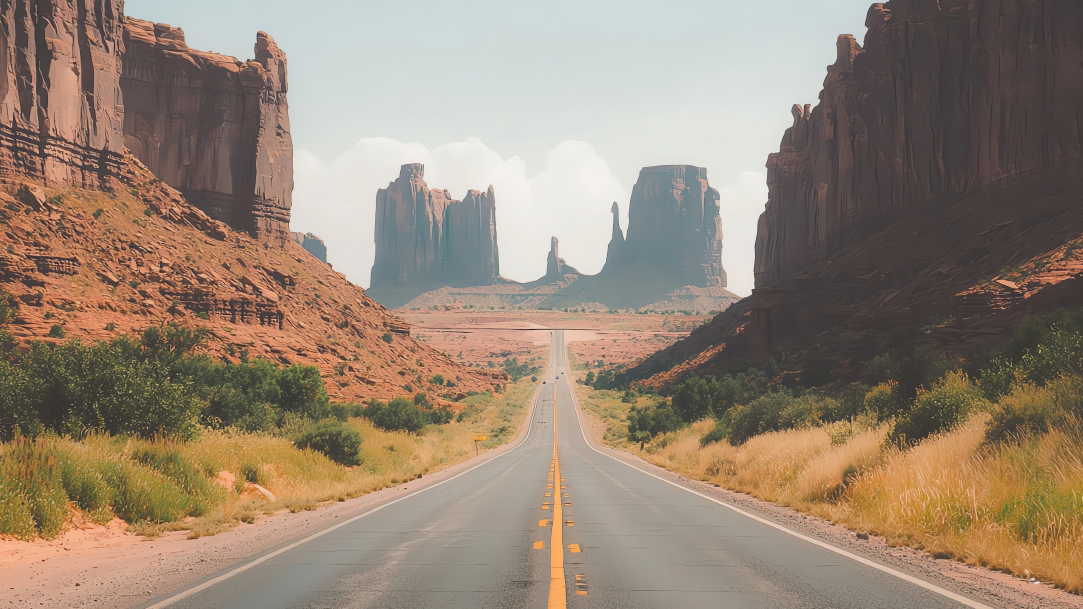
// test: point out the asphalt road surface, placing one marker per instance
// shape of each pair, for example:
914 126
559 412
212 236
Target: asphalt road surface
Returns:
507 534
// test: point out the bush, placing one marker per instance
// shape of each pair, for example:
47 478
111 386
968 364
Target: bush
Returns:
913 369
398 415
883 400
57 331
939 409
701 397
656 418
387 338
437 380
629 397
1027 410
718 433
338 442
1059 353
779 411
74 388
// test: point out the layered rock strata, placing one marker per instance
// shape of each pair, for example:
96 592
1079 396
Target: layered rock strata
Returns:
944 99
426 240
213 127
60 102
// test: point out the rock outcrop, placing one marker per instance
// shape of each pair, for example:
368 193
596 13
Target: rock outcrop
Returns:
60 102
674 223
671 259
939 178
215 128
555 266
944 99
426 240
312 244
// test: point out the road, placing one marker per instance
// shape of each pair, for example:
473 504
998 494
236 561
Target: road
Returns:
623 539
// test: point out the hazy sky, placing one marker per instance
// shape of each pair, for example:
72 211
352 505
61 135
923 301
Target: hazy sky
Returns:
557 104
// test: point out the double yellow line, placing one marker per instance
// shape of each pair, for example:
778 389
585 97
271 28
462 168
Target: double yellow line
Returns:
558 587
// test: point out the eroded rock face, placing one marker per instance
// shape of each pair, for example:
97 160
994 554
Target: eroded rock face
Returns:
60 102
945 98
673 223
312 244
425 238
213 127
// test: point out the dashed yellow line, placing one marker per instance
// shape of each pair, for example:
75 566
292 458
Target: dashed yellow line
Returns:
558 587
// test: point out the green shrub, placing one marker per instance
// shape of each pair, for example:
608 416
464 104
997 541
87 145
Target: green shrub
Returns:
1059 353
704 396
74 387
57 331
437 380
387 338
658 417
629 397
338 442
883 400
777 411
718 433
398 415
939 409
1027 411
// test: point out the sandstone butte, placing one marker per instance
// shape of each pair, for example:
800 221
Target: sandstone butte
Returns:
191 222
669 260
426 240
932 195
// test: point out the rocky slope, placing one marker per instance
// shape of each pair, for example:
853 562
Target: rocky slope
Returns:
94 264
95 244
933 192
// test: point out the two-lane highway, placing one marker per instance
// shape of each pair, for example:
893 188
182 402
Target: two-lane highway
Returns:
555 523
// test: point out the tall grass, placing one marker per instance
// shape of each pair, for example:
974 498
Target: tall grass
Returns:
158 484
1014 504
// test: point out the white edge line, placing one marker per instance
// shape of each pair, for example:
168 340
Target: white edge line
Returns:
241 569
875 565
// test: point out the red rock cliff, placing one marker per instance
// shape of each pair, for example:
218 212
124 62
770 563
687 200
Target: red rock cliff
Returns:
426 240
213 127
945 98
673 223
60 103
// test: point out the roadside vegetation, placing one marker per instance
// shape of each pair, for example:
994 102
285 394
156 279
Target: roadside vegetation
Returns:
980 461
146 429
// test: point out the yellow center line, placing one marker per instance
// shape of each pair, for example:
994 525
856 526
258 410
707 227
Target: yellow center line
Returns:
558 588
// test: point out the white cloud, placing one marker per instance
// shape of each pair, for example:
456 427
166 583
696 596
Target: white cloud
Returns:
742 203
569 199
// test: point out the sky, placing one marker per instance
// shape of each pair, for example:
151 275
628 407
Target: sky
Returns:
556 104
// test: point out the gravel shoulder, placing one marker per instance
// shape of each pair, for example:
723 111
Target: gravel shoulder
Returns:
991 587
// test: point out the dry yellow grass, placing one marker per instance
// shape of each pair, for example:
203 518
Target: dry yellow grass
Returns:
299 479
1016 507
